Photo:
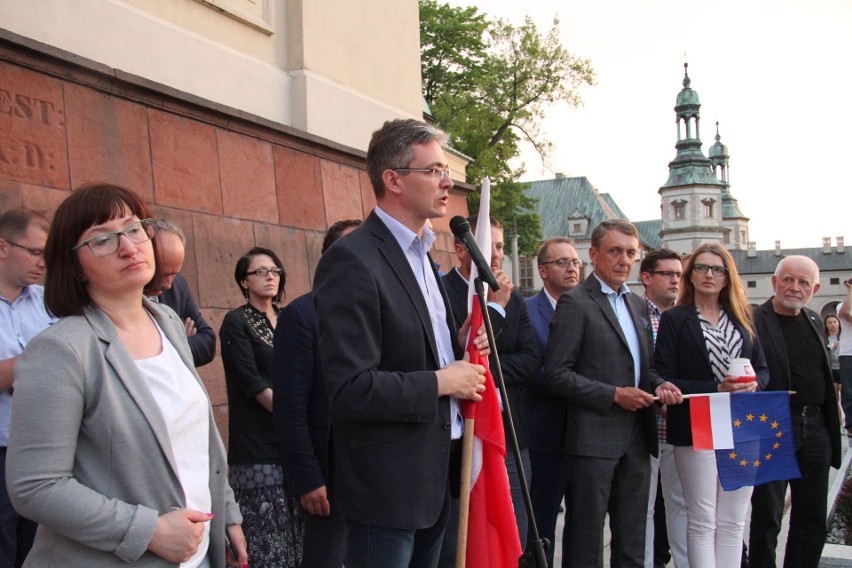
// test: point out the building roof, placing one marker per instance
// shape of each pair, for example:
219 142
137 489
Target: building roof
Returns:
562 197
649 232
765 261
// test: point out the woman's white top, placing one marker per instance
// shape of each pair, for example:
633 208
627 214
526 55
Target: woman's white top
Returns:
184 406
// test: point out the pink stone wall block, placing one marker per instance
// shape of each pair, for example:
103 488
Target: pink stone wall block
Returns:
341 190
299 187
32 128
108 141
248 177
186 164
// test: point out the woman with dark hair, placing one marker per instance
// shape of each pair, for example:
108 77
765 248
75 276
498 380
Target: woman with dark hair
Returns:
832 333
113 448
272 524
711 324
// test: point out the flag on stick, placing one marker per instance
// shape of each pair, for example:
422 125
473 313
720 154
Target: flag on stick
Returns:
492 536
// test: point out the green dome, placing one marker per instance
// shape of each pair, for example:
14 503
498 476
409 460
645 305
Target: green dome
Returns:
718 150
687 96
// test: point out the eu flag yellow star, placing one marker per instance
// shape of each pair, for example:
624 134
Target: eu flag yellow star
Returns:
738 422
756 463
750 417
733 455
763 418
775 425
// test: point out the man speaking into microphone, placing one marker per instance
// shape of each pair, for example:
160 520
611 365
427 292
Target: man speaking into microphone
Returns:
390 347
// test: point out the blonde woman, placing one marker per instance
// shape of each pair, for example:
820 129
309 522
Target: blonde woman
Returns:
710 325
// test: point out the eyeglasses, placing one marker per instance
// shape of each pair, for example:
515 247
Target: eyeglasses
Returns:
262 272
669 273
35 253
563 262
107 243
439 173
716 270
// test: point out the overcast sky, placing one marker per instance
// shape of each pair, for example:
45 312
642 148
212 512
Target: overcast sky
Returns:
776 74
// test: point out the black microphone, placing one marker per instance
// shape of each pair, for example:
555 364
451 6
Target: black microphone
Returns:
461 229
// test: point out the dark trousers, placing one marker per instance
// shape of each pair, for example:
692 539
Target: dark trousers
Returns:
809 493
616 485
662 555
548 488
846 388
370 546
16 532
324 539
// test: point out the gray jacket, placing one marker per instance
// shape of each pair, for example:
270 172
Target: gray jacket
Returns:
89 455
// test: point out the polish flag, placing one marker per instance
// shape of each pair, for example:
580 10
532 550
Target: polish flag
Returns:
710 415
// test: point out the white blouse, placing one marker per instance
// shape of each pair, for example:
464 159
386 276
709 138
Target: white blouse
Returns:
184 406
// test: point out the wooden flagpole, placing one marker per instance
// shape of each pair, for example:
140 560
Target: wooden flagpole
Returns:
464 491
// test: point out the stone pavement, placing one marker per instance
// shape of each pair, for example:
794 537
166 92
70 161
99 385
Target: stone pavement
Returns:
833 556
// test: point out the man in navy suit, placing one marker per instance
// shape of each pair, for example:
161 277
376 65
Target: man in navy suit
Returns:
519 356
390 351
300 415
599 360
172 290
559 268
793 339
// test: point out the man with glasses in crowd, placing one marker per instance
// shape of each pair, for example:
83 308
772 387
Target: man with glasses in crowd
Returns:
23 234
560 269
390 350
660 272
599 360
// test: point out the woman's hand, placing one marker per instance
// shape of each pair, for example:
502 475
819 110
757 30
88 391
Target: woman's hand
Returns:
178 534
730 384
238 540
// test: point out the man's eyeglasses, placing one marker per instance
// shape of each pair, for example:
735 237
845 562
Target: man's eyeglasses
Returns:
107 243
716 270
563 262
667 273
262 272
35 253
439 173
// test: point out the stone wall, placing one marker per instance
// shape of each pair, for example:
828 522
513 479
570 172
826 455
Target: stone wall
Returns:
230 180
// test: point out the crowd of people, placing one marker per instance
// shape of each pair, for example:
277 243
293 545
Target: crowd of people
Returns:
344 420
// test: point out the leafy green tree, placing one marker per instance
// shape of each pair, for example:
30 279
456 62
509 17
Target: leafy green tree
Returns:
488 84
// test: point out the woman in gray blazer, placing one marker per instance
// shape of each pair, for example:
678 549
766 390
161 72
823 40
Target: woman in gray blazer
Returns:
113 449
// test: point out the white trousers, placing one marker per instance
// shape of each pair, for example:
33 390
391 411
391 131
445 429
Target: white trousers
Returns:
665 467
715 518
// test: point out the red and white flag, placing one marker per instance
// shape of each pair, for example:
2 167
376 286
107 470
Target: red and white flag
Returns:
492 534
710 415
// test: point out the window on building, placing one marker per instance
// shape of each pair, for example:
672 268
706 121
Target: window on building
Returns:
752 283
708 210
679 211
727 238
834 280
578 227
743 236
525 267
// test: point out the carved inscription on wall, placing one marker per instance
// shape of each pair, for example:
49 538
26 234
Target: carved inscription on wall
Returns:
32 128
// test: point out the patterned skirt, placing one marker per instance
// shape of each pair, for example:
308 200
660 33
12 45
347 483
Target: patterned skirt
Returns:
272 521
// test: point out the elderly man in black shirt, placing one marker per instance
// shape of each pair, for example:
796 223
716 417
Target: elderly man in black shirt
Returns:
793 340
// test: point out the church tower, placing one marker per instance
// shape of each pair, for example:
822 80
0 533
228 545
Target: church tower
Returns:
691 199
736 237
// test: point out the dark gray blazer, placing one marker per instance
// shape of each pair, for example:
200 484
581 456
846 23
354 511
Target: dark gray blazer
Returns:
587 358
390 445
89 455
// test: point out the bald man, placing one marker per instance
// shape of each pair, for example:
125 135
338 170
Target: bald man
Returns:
172 290
793 339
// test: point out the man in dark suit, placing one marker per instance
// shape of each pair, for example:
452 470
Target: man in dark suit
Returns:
519 361
793 340
172 290
559 267
390 348
300 415
598 359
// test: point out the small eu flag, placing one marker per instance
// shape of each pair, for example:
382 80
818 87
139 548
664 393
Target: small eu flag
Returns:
764 449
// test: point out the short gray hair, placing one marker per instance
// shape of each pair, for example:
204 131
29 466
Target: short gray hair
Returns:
390 147
161 225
